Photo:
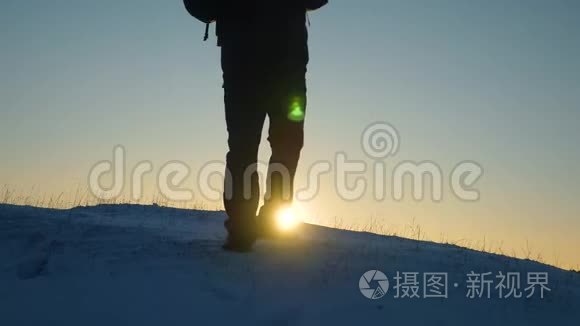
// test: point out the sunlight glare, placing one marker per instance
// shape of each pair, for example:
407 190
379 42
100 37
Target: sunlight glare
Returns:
287 219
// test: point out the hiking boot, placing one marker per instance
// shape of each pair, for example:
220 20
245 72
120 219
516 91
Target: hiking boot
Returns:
238 242
241 235
266 227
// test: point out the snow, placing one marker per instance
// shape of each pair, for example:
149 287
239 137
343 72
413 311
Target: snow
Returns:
148 265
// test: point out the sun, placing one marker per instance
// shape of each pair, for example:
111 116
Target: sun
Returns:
287 219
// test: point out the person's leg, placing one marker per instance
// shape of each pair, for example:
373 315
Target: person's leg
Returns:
286 136
245 121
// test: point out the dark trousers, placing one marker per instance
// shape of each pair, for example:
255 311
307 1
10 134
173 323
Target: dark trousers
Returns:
254 91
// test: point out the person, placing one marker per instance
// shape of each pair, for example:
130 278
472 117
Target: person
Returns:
264 58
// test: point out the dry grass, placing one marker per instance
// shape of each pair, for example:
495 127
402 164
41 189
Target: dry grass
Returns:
415 232
81 197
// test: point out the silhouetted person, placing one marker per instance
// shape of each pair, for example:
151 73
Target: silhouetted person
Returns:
264 55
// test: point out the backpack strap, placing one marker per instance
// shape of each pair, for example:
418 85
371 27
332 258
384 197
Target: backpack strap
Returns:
206 35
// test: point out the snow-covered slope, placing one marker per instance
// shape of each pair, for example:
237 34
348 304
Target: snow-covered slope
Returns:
147 265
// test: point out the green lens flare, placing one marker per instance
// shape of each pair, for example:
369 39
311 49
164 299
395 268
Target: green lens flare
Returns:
296 113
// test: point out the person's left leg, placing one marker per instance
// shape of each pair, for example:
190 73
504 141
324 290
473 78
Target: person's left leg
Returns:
286 136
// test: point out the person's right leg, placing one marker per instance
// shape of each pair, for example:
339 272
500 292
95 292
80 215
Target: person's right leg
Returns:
244 120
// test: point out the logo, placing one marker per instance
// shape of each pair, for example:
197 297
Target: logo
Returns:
373 284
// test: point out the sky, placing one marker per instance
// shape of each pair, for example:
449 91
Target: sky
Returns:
494 82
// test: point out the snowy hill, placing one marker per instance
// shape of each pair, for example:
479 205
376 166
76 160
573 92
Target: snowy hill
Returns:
147 265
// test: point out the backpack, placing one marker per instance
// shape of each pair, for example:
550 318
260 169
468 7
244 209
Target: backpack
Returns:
204 11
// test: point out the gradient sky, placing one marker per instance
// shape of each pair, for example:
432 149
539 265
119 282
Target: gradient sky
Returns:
496 82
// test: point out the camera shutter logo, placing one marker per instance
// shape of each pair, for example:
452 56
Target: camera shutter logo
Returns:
374 284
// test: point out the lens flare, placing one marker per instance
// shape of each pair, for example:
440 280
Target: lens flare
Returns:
296 112
287 219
